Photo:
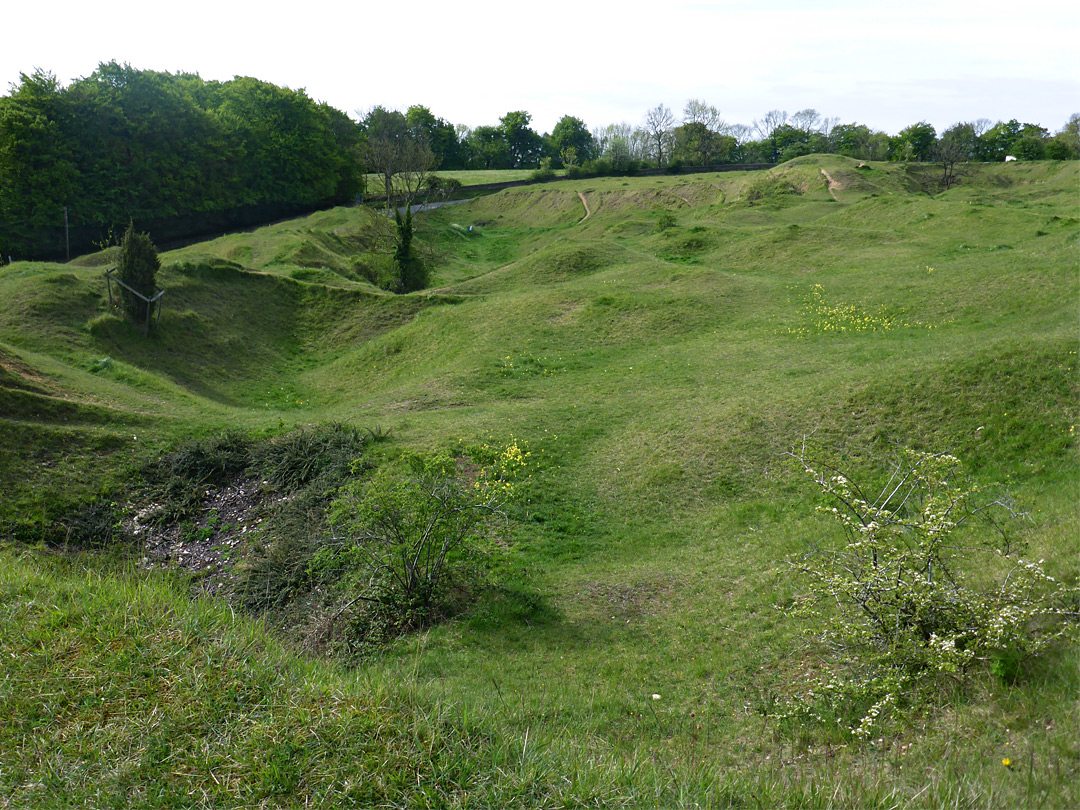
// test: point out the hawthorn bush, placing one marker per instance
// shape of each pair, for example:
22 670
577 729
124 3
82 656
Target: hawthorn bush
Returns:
914 594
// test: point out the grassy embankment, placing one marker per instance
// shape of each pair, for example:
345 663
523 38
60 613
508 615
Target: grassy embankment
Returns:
657 375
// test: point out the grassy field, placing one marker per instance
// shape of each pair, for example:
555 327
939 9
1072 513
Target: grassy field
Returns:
658 344
467 177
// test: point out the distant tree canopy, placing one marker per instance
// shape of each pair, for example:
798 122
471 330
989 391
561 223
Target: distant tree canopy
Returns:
175 153
570 133
125 144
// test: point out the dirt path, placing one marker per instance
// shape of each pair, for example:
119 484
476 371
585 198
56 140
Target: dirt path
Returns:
19 369
829 182
584 202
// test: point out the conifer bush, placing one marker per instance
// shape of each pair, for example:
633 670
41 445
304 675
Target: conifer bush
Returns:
137 267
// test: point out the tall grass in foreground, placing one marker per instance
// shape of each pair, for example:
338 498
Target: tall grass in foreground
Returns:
120 692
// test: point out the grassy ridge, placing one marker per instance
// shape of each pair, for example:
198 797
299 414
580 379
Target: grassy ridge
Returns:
657 371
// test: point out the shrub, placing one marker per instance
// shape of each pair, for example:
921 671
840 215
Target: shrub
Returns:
409 541
904 601
597 168
544 172
769 186
96 525
276 570
1029 148
137 267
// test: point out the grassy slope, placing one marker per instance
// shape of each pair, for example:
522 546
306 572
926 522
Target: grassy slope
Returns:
657 376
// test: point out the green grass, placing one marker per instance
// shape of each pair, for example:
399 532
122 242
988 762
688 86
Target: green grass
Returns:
467 177
657 376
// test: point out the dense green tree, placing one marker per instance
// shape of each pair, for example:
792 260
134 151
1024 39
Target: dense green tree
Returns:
790 142
852 140
124 144
571 133
525 147
440 135
961 141
37 171
1029 147
487 148
1057 148
999 139
144 147
915 142
1065 145
289 150
697 145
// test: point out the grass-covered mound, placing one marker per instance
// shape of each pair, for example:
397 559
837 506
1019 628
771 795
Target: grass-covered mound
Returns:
658 357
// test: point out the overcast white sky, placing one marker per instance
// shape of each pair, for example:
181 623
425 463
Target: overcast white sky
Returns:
883 64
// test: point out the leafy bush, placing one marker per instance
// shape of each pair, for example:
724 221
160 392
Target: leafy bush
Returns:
770 187
310 465
408 543
544 172
905 601
597 168
277 568
440 188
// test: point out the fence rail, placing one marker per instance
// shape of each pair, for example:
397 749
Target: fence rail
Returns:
150 302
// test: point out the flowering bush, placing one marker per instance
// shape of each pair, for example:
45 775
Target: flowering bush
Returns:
909 597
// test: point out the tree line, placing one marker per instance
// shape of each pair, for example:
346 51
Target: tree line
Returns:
170 152
181 156
701 137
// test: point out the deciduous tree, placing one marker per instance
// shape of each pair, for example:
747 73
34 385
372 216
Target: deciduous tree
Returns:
394 151
571 133
524 145
659 123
